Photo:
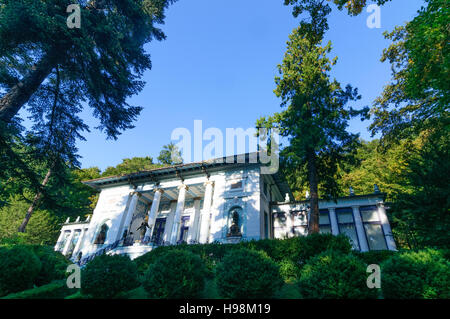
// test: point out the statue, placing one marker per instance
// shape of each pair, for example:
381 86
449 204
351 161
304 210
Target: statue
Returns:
143 229
234 228
101 237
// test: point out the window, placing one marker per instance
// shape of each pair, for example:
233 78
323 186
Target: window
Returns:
373 228
347 225
324 221
158 231
236 185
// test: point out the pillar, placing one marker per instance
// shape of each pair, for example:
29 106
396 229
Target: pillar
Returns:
179 210
60 238
390 242
333 222
130 212
206 213
363 246
80 240
152 214
69 241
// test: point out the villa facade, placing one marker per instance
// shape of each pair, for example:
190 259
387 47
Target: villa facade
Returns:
223 200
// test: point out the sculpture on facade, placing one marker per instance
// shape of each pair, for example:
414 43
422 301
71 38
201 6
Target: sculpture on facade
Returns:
143 229
101 237
235 230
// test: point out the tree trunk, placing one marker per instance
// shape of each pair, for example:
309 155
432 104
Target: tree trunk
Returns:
313 226
35 203
19 94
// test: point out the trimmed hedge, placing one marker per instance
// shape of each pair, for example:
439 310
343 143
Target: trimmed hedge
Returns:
333 275
54 290
416 275
53 265
175 274
19 267
297 249
107 276
245 273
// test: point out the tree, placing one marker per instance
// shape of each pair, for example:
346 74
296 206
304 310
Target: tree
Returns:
315 118
170 155
103 60
131 165
318 10
419 92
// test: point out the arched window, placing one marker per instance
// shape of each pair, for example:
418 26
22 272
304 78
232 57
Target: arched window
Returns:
101 236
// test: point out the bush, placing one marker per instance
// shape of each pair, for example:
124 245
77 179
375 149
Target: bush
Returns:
106 276
333 275
246 273
19 267
289 271
416 275
53 265
175 274
54 290
374 256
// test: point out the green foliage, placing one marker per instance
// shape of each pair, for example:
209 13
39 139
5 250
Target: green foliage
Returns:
43 226
53 265
244 273
333 275
170 155
419 91
131 165
175 274
375 166
289 270
374 256
19 267
106 276
416 275
416 224
55 290
297 249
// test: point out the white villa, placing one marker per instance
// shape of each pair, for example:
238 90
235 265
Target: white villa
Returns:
221 200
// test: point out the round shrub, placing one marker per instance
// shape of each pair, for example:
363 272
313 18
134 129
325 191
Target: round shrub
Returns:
245 273
416 275
53 265
106 276
289 271
174 275
19 267
333 275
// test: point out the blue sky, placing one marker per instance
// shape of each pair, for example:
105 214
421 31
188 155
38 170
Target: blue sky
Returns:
218 65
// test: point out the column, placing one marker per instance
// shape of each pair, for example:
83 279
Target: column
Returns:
177 218
58 242
206 213
333 221
363 246
152 214
386 228
194 231
68 242
80 240
130 212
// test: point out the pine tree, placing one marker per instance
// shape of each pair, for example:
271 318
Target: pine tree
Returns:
315 117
